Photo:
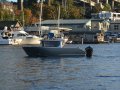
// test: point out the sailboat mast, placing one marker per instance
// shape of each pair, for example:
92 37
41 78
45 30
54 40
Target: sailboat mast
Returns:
40 30
22 13
58 16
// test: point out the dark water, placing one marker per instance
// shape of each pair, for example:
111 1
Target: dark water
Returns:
101 72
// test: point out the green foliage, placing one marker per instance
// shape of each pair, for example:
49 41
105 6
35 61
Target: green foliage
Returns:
69 3
107 7
50 11
27 15
6 14
74 13
97 8
30 3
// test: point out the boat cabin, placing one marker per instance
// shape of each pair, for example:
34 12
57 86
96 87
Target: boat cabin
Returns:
52 43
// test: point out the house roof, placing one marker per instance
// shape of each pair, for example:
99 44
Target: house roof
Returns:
8 24
84 32
65 21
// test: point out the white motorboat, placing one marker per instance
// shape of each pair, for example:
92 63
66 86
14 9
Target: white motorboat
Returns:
6 41
26 38
18 37
6 38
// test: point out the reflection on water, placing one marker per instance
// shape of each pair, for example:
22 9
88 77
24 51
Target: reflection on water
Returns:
101 72
45 73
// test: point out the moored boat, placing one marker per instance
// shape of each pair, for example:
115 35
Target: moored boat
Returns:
47 51
52 47
17 37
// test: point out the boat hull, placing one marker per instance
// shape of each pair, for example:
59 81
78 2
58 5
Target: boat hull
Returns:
6 41
52 51
31 41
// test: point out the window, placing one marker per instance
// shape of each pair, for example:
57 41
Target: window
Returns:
116 27
80 26
21 35
114 15
118 15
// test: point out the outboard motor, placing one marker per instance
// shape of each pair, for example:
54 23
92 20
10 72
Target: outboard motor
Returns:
89 51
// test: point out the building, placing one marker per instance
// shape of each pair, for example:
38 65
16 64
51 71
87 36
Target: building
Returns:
74 24
82 29
100 24
114 26
85 36
11 25
106 15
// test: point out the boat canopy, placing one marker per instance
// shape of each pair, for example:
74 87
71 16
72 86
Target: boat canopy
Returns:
52 43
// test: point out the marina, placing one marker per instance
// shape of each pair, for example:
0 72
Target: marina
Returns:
100 72
59 45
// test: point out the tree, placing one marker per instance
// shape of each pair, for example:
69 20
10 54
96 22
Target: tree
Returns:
74 13
33 19
107 7
30 3
97 8
50 2
69 3
27 16
3 0
50 12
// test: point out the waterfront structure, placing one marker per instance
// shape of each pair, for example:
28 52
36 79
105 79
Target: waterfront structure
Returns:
106 15
85 36
100 24
115 26
88 30
79 24
74 24
34 29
